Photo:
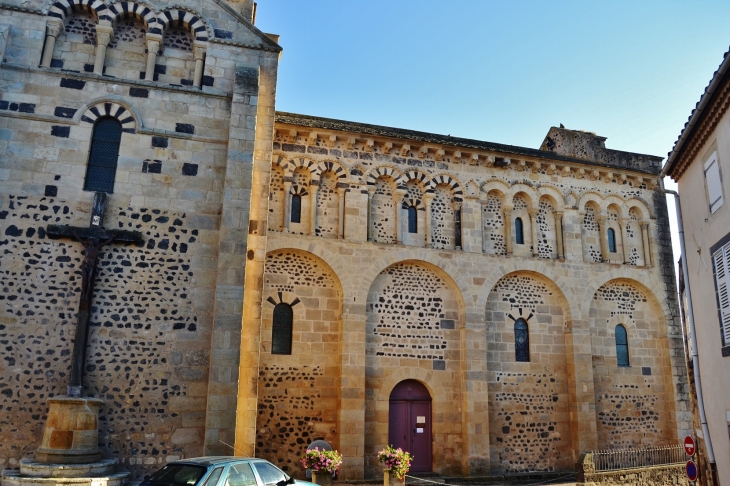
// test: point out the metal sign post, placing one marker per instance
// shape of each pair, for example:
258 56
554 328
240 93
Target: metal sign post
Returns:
691 467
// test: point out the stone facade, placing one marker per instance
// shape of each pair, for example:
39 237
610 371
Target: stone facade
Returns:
435 299
392 255
164 347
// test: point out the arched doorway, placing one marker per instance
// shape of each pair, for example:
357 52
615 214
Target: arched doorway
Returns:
409 425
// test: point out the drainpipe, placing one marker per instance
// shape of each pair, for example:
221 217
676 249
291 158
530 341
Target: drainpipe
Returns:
693 337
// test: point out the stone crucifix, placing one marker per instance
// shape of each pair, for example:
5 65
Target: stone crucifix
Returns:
93 238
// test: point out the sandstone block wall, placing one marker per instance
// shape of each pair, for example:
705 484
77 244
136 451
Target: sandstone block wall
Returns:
419 306
165 341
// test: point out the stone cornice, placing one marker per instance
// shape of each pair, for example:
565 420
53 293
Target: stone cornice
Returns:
501 155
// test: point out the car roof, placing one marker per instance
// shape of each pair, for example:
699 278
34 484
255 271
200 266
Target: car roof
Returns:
212 460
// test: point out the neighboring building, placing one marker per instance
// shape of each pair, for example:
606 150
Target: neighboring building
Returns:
700 163
494 308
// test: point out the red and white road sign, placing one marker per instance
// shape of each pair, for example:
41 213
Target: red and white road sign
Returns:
691 469
689 445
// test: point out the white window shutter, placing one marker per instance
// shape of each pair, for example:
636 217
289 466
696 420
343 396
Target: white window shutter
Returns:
714 185
722 276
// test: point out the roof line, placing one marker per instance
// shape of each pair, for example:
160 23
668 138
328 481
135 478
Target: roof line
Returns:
385 131
696 114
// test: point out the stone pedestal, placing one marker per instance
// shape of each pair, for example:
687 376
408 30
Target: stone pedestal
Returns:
33 473
71 435
322 478
390 479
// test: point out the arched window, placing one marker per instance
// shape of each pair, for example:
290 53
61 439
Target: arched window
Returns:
412 219
611 240
296 208
522 341
622 346
281 330
103 155
519 234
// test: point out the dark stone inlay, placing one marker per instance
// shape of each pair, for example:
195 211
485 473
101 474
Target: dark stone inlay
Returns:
52 191
223 34
184 128
139 92
160 142
72 83
60 131
64 112
439 364
190 169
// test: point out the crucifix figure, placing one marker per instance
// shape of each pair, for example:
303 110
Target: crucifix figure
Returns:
93 239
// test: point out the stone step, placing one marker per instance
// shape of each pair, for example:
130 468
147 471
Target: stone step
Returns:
31 468
13 478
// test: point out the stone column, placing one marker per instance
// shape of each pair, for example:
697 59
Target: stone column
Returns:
153 47
624 238
399 195
313 190
559 234
371 229
341 220
603 236
508 228
199 50
481 219
533 226
427 200
458 237
645 240
53 28
287 205
103 37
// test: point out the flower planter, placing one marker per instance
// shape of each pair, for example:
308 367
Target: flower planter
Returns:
323 478
390 479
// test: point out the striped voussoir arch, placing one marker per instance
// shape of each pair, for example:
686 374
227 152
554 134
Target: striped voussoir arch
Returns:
378 172
451 182
410 201
297 190
417 176
295 164
333 167
182 18
134 10
62 8
114 110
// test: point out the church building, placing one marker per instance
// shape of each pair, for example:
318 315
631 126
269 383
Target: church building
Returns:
494 309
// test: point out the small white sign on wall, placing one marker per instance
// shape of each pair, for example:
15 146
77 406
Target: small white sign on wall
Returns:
419 430
421 420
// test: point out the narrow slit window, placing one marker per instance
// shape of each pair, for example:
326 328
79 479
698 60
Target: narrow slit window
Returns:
522 341
103 154
622 346
281 330
412 219
296 208
519 233
611 240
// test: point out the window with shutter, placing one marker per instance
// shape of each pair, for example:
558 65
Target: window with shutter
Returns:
722 279
281 331
714 184
103 155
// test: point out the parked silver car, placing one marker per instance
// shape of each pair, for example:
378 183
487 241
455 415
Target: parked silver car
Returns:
221 471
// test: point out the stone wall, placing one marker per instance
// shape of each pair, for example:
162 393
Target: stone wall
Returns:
165 342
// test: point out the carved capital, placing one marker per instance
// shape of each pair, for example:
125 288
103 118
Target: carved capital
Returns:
369 145
559 214
533 212
440 153
387 147
199 50
331 140
104 34
456 205
53 27
507 210
153 43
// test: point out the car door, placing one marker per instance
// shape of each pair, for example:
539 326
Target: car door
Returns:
269 474
239 474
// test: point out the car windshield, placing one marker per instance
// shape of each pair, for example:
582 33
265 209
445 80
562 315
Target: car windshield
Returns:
177 475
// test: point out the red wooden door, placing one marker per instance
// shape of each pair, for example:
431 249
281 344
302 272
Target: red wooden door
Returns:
410 422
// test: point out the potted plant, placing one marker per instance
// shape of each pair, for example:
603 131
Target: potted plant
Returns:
396 464
323 464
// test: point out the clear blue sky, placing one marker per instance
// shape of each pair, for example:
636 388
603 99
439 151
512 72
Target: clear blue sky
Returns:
501 71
